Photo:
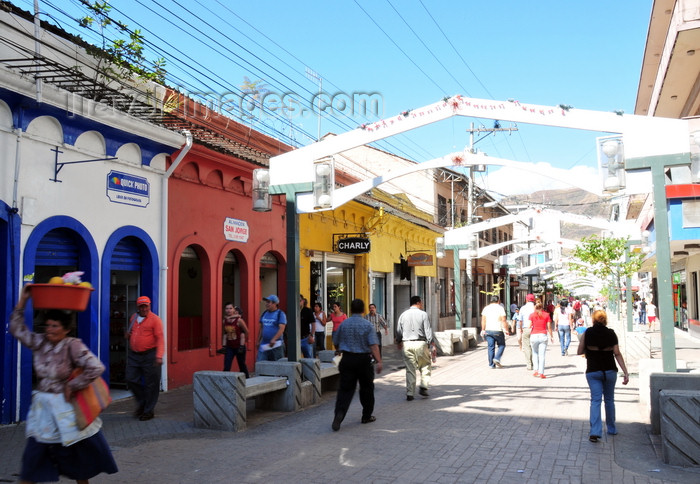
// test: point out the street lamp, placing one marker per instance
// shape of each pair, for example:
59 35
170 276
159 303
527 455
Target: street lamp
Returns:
440 247
613 167
262 202
695 155
323 184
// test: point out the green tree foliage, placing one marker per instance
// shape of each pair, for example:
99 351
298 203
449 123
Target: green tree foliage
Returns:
605 258
120 58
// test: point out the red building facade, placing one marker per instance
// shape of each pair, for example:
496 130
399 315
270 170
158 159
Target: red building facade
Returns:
219 249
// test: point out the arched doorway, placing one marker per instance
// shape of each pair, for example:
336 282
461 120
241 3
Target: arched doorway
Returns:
192 332
231 279
124 289
269 274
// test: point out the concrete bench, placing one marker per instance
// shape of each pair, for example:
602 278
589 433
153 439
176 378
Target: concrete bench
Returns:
471 336
322 373
667 381
259 385
220 397
447 340
680 427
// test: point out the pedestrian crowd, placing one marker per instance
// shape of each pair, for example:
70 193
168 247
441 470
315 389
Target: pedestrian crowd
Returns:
55 447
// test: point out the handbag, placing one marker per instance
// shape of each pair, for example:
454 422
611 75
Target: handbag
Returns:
89 402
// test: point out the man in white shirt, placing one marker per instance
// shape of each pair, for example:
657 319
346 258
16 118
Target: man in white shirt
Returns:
493 327
525 327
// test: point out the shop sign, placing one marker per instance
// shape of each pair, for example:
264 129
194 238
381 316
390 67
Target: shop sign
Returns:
128 189
354 245
419 259
236 230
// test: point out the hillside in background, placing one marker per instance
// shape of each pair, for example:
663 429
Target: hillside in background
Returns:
573 200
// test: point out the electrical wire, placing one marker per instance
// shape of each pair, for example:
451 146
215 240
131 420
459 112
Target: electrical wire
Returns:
400 49
464 89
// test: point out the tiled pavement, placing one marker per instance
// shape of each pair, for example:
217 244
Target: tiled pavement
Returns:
478 425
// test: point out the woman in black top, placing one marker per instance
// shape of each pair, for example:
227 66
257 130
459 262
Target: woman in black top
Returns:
599 343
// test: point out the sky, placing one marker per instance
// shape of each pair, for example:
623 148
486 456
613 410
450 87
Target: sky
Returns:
404 54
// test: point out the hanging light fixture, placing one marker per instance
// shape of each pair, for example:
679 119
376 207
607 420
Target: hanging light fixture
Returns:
262 202
440 247
695 156
324 183
613 166
474 246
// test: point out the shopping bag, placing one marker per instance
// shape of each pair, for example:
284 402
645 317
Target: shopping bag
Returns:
90 401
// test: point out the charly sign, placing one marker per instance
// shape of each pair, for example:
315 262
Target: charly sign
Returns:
128 189
354 245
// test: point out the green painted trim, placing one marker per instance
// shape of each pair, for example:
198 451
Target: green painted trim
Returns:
648 162
291 189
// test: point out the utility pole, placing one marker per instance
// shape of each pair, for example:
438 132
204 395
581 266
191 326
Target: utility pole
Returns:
469 281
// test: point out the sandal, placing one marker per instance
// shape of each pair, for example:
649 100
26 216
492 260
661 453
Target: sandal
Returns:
369 419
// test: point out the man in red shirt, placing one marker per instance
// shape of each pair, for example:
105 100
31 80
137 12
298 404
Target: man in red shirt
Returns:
145 358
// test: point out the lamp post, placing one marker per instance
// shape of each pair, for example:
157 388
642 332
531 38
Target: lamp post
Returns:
658 165
262 202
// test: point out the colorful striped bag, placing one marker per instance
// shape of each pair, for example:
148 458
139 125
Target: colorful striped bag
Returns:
88 402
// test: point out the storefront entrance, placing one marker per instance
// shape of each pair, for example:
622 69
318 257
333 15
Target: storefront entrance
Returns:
123 291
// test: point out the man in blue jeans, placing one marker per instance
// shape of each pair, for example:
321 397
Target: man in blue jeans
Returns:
643 311
272 324
493 327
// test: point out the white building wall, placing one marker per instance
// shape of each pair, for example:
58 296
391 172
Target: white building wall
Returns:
82 190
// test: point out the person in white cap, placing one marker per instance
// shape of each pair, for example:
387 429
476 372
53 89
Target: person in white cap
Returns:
273 321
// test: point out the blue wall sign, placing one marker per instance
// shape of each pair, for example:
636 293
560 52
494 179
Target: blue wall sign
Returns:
128 189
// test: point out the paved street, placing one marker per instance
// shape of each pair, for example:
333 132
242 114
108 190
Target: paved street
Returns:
479 425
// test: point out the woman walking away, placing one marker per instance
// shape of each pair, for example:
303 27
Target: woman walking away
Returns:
55 445
541 327
599 344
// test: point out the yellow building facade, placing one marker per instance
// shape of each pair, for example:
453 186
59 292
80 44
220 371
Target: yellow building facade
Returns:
395 231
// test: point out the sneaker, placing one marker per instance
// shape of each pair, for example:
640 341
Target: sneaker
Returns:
336 422
536 374
566 352
409 397
594 438
423 391
542 376
497 363
146 416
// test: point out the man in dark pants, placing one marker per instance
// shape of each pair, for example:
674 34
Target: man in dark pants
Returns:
357 341
145 358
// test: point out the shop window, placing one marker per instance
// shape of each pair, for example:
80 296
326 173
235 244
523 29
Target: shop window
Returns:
192 332
442 211
340 282
316 284
379 294
268 278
